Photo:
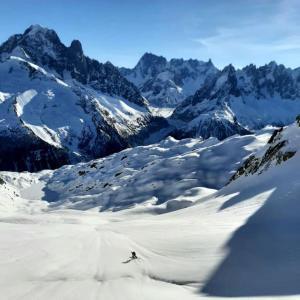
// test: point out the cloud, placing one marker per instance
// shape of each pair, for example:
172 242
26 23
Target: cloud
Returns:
256 37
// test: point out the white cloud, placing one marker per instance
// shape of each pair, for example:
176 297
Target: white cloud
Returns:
257 37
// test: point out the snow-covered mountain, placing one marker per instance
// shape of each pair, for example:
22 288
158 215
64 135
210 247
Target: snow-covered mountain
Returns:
239 101
166 83
58 106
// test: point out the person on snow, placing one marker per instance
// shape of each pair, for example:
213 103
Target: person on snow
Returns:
133 255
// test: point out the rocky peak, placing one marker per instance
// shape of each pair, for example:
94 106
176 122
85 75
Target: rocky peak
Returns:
76 48
43 47
39 32
149 59
166 83
151 64
210 63
229 70
226 84
39 43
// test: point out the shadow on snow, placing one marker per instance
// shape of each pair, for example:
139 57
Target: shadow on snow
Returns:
264 253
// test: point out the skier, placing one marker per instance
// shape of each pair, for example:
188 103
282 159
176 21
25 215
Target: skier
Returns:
133 255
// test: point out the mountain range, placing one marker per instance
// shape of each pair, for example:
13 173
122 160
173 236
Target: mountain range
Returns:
167 83
58 106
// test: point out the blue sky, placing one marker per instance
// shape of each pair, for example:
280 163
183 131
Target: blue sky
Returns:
227 31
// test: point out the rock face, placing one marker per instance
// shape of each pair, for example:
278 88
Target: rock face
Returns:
58 106
238 101
166 83
283 144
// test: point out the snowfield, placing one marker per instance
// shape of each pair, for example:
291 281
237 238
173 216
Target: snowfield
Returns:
240 240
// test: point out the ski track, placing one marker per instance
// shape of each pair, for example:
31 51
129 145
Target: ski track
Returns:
93 262
89 258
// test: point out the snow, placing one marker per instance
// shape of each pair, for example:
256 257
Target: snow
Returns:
138 177
4 96
23 99
241 241
38 105
253 113
161 111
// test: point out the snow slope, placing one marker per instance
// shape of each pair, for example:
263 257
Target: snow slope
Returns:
66 115
242 242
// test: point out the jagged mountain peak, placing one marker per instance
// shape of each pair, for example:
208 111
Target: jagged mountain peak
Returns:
37 36
166 83
150 64
36 41
37 29
272 64
152 58
230 69
43 47
76 47
60 106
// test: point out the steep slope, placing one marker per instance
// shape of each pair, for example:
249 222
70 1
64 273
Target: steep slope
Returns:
282 145
166 83
237 101
269 239
58 106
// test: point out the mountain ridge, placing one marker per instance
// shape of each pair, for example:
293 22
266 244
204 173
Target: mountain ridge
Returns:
56 101
165 83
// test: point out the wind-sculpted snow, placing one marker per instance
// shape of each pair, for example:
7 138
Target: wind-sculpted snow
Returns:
158 178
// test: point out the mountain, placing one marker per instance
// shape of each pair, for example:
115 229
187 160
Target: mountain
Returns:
239 101
58 106
166 83
44 48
